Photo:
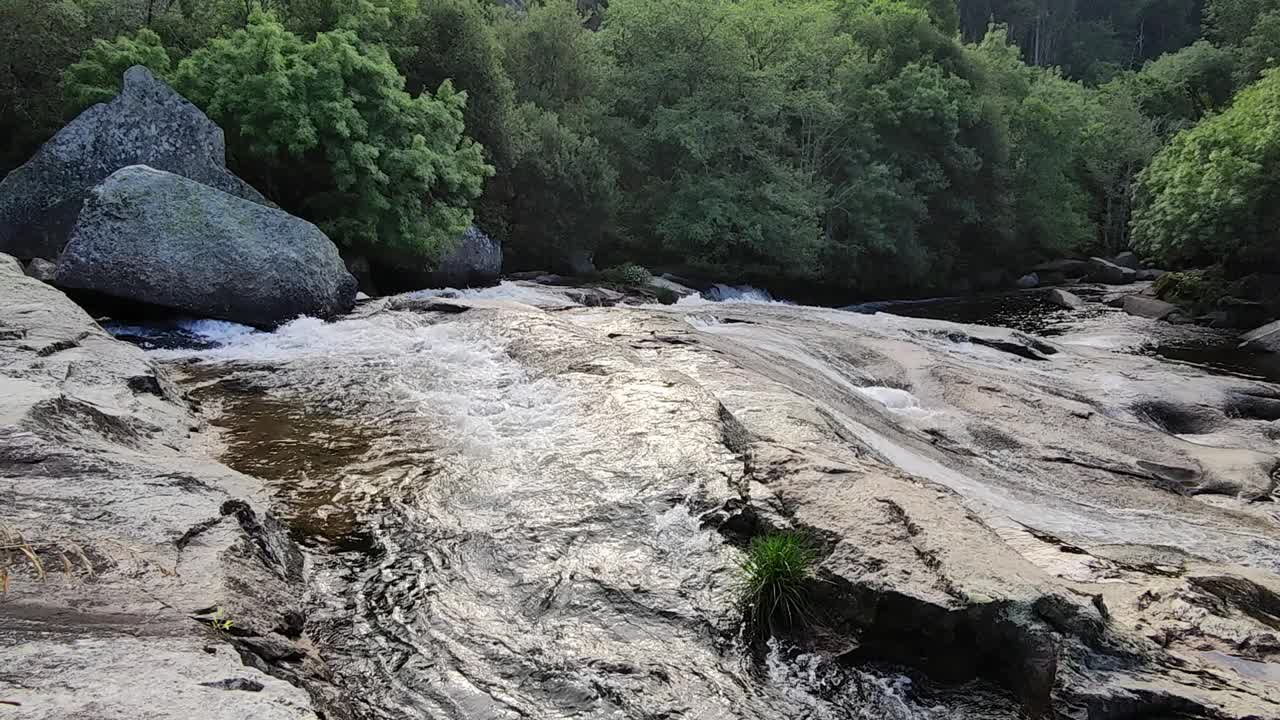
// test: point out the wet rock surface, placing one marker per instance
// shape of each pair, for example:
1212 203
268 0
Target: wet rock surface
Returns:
537 508
136 569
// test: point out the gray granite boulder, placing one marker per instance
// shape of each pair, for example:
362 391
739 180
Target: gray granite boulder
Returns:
1062 298
154 237
42 270
476 261
1108 273
146 124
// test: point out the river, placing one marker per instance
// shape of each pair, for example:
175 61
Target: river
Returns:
516 508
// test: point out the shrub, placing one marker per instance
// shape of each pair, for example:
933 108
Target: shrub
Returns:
776 568
627 274
95 78
326 129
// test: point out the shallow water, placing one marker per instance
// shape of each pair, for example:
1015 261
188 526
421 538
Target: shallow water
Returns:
506 513
523 546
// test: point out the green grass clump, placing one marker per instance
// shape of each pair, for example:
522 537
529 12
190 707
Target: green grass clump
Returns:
776 569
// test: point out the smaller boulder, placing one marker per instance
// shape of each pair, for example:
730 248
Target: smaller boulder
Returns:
1062 298
1028 281
1265 339
157 238
1066 268
42 270
1148 274
1127 260
1148 307
1108 273
476 262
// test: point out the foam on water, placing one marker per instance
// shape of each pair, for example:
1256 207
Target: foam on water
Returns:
525 293
896 400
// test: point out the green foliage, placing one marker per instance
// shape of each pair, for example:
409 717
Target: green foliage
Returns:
96 76
775 572
1231 21
856 144
696 111
326 129
563 198
1197 289
38 38
1260 49
627 274
453 41
1182 87
1211 193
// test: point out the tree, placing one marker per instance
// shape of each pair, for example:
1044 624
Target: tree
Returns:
1210 195
326 129
1182 87
1043 118
708 174
97 75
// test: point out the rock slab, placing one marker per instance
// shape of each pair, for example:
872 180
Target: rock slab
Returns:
146 124
153 237
139 532
1265 339
1108 273
1062 298
1148 307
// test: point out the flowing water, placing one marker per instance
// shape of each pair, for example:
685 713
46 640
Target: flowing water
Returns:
505 516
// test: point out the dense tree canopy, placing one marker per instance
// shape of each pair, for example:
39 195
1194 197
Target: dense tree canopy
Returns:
1212 192
869 146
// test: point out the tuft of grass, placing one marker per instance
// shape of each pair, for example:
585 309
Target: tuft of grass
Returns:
775 572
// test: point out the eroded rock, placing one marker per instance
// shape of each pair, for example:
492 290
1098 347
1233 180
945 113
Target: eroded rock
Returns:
122 507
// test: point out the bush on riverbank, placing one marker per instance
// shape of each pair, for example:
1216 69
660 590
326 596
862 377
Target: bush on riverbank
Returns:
856 146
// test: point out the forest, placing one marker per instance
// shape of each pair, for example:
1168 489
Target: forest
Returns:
867 146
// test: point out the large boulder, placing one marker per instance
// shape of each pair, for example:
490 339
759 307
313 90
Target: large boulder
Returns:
1062 298
476 261
1148 307
1108 273
146 124
1127 260
1265 339
154 237
1066 268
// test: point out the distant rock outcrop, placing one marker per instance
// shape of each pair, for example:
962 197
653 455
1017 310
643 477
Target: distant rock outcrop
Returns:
476 261
1108 273
1062 298
146 124
154 237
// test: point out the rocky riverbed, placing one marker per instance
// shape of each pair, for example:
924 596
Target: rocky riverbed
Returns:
508 504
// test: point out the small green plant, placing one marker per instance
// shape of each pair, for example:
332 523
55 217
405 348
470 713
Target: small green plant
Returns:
627 274
221 621
775 571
